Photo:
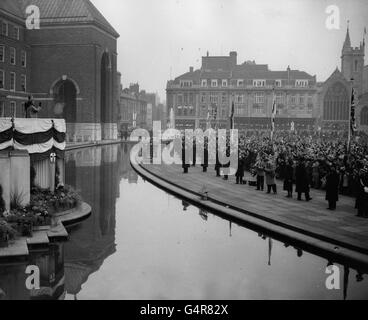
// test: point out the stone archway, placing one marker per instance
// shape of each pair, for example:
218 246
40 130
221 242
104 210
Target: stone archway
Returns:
65 100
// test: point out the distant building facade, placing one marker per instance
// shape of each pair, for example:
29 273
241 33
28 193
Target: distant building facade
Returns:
208 93
132 110
69 65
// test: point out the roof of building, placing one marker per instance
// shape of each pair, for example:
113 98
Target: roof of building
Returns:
59 12
11 7
243 71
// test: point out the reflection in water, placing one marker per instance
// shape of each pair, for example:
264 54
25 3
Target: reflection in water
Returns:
50 262
136 246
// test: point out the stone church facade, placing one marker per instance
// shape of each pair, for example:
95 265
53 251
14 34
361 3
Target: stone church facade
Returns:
336 91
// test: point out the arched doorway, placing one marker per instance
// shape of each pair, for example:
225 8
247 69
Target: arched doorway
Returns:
105 88
336 103
364 116
65 99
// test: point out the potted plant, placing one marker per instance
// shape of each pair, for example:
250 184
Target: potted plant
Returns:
6 233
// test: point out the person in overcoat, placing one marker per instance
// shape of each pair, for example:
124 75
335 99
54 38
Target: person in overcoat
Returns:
288 181
270 177
301 181
332 188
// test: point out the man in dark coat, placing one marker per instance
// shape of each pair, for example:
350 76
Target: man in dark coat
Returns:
362 194
332 188
240 172
301 181
288 174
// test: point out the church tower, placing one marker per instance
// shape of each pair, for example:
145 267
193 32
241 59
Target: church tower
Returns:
352 62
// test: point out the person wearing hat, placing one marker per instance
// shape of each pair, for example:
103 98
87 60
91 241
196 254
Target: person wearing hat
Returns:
260 167
288 174
270 177
362 193
332 188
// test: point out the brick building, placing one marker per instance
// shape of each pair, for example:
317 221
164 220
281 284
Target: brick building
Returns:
132 110
210 91
69 65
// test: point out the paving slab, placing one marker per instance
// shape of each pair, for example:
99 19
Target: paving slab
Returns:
312 218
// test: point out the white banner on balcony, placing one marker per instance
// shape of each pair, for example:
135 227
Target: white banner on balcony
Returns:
29 126
5 124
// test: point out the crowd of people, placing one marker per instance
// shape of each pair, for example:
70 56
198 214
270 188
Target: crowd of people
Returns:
307 162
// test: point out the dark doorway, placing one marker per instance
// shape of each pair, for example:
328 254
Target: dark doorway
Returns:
66 97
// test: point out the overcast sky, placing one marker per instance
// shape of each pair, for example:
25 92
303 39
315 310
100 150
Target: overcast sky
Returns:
163 37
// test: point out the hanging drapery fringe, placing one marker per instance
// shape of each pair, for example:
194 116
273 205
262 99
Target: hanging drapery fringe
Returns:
39 137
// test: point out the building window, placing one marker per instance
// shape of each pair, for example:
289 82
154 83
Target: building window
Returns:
356 65
224 83
223 98
364 116
16 33
180 100
336 103
239 98
259 83
213 98
24 83
2 79
12 81
2 53
293 100
24 59
204 83
301 100
4 28
278 83
301 83
12 56
213 83
259 98
13 109
203 98
2 109
186 83
240 83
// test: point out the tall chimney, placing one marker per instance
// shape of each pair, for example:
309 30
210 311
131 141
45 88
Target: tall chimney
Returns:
234 58
191 69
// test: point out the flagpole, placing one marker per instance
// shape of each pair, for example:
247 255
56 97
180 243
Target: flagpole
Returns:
350 106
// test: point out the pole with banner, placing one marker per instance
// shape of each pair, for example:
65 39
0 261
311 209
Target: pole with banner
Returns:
352 120
232 113
273 115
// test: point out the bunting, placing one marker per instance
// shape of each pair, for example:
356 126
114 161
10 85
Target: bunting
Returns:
40 137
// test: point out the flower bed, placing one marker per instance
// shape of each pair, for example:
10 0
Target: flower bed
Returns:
42 208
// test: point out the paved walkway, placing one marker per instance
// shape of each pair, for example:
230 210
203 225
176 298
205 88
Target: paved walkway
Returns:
312 218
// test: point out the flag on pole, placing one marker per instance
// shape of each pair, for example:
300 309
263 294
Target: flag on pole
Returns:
353 127
273 115
208 122
232 113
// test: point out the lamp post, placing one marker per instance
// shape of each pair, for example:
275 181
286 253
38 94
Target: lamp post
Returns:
52 171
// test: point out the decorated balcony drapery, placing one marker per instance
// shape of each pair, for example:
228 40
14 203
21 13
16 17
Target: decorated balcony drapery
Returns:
40 137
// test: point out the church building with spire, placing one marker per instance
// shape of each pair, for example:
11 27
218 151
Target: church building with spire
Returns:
335 95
